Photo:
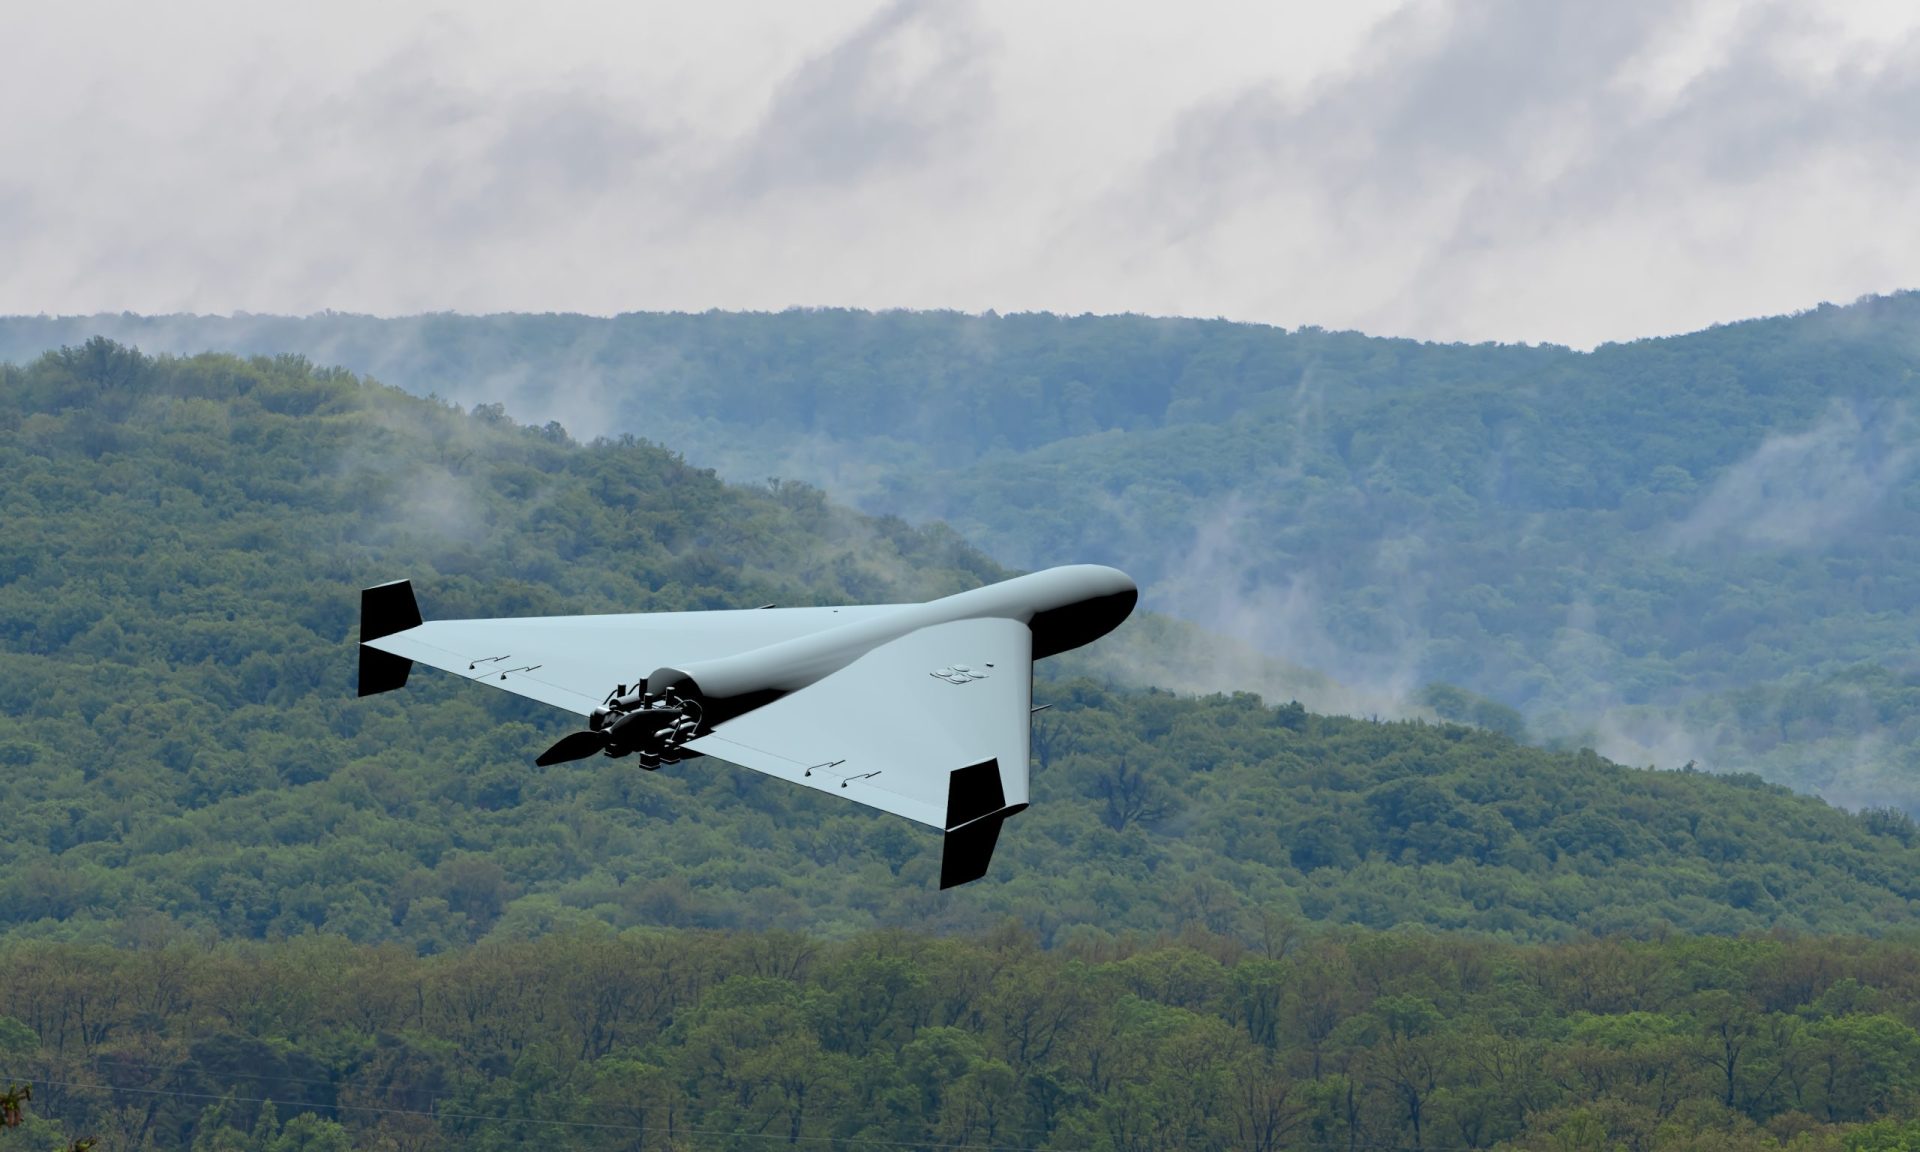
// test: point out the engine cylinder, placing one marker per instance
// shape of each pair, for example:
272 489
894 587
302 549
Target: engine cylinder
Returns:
632 726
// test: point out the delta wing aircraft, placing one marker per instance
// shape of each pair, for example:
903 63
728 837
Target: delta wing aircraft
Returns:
922 710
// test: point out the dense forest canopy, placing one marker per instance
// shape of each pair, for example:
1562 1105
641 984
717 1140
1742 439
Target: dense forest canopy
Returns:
653 1040
185 543
241 909
1698 548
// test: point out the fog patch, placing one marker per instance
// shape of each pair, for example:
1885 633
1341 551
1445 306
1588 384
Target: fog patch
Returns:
1806 489
1651 738
1220 583
439 496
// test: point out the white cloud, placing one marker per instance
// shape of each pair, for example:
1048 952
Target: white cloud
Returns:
1502 169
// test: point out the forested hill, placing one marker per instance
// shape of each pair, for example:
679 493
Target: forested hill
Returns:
1700 548
184 542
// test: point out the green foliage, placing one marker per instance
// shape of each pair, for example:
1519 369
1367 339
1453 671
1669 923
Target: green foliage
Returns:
1884 1136
178 580
1451 702
719 1040
240 909
1671 547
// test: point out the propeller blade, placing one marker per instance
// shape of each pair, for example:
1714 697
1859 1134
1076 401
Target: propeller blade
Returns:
573 746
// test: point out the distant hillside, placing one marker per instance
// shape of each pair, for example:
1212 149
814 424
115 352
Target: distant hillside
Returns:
1646 548
179 741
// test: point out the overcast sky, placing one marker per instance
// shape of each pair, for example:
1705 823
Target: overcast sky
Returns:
1508 169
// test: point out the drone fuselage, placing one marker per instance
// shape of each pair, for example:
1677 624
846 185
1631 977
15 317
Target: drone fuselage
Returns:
1064 607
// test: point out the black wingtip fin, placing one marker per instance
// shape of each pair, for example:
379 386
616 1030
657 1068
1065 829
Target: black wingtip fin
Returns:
384 610
973 792
976 807
382 671
969 850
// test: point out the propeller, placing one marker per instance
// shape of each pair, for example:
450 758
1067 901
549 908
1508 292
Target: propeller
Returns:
573 746
625 730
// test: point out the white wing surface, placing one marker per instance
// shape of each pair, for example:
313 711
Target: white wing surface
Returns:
920 710
572 662
893 728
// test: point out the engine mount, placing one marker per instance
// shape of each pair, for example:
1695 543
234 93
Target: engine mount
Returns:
655 725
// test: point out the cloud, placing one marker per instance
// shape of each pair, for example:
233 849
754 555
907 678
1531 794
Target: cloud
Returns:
905 85
1496 169
1807 489
1518 159
447 173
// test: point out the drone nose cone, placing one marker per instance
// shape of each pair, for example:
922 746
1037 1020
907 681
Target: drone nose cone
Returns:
1112 581
1097 582
1087 601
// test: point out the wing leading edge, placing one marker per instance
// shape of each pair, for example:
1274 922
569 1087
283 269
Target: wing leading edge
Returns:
570 662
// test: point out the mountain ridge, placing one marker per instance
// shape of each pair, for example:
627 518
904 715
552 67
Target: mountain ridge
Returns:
177 594
1624 544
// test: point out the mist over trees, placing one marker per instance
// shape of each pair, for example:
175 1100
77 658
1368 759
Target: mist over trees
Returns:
240 908
185 543
1690 549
